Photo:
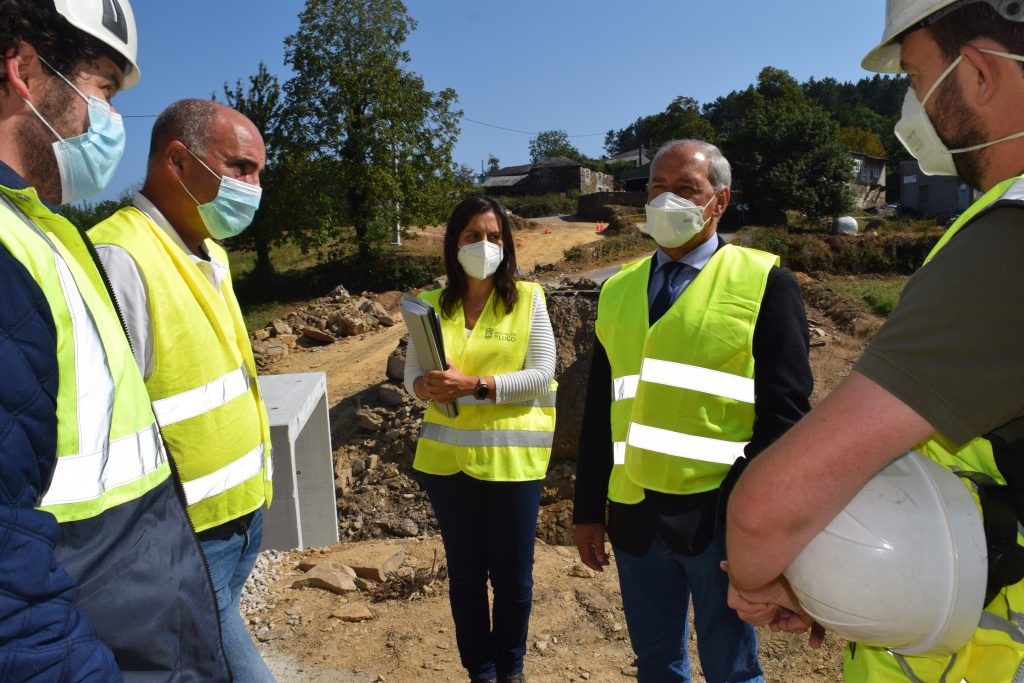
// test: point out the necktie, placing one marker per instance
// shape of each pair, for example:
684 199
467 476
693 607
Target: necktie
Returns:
663 299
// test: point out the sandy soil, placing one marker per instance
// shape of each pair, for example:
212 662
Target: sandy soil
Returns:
542 242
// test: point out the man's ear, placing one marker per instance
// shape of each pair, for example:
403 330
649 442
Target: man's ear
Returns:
984 76
722 201
20 63
174 157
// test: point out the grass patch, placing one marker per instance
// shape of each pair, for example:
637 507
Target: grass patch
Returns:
878 294
536 206
259 315
610 249
284 257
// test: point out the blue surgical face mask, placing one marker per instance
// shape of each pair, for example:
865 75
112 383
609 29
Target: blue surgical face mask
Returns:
87 162
232 210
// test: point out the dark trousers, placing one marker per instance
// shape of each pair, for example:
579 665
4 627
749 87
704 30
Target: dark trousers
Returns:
489 529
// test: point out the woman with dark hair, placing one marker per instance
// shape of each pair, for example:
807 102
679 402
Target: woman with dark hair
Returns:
482 468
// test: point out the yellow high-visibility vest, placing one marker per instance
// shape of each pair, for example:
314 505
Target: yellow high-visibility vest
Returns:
996 650
486 440
109 450
203 384
683 389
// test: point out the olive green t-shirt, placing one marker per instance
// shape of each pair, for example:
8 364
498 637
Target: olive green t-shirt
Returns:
953 348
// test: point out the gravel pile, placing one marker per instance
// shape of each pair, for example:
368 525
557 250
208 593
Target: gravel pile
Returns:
257 594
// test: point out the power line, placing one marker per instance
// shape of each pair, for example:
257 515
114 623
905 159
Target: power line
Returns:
526 132
465 118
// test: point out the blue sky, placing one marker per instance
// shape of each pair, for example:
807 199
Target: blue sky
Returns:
583 66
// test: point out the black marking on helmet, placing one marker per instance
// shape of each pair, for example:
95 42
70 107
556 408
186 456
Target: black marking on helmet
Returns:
113 19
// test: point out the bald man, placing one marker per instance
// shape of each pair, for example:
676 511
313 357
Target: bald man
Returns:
189 339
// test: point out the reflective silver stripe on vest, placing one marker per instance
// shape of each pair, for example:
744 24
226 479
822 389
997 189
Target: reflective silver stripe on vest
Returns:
546 401
682 445
994 622
487 438
193 402
696 378
618 452
624 387
227 477
94 384
84 477
1015 191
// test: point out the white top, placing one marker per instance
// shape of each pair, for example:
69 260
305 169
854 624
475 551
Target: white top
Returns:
129 285
533 381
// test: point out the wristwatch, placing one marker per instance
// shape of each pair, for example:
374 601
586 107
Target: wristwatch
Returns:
481 390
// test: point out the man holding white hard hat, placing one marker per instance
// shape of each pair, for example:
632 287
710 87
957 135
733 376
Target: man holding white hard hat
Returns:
943 375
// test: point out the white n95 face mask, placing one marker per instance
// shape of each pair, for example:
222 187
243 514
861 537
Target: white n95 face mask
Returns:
481 259
673 220
918 135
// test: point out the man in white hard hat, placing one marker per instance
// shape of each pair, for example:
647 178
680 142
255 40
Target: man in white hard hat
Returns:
946 372
700 363
101 577
172 282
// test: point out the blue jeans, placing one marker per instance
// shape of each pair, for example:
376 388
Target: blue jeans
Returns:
489 529
656 590
231 551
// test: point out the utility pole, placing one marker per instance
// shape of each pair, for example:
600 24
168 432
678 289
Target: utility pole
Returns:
396 236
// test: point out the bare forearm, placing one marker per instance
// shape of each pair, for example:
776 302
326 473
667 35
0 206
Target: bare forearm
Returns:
797 486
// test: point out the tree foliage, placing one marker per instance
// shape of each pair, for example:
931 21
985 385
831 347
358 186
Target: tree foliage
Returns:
872 104
681 119
863 141
86 214
493 163
785 151
261 102
362 131
553 143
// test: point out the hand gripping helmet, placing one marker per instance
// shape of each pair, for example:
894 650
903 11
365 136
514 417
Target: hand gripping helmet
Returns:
905 15
903 566
112 23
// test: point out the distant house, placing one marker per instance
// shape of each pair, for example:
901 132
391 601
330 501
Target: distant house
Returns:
635 179
556 174
868 182
638 156
933 196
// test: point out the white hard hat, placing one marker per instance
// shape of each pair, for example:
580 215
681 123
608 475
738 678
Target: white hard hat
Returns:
112 22
904 566
903 15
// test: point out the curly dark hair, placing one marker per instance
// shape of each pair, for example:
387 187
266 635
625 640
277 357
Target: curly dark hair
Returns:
62 45
973 21
504 277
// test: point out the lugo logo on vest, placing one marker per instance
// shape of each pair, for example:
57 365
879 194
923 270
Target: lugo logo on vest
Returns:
498 335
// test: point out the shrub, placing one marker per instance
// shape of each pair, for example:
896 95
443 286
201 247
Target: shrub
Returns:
883 253
540 205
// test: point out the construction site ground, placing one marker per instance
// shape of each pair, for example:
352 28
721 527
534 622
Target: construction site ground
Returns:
577 629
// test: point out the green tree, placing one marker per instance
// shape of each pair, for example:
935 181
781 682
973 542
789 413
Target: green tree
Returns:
493 163
785 151
371 141
681 119
553 143
261 102
860 140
